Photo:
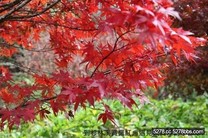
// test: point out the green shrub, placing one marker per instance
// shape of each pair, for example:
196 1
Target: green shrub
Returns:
164 113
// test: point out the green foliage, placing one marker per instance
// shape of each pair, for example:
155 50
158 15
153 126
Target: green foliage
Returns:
164 113
23 78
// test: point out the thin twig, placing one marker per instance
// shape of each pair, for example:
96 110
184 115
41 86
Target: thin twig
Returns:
113 50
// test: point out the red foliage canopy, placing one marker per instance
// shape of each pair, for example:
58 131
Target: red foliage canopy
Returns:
120 42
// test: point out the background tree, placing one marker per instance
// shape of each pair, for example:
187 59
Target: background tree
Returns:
189 78
119 44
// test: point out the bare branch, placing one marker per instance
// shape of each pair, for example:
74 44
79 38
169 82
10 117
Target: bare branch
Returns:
9 5
36 14
4 17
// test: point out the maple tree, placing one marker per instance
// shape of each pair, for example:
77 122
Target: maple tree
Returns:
119 42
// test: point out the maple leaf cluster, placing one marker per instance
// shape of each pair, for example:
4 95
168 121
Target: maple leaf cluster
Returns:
120 42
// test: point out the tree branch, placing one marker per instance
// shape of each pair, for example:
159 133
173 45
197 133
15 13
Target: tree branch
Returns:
104 58
36 14
4 17
9 5
54 24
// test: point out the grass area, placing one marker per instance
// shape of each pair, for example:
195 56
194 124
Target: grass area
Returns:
164 113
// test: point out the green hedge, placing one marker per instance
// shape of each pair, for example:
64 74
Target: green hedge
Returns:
164 113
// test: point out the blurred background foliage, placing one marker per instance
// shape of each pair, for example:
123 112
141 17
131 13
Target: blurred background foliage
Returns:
189 79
